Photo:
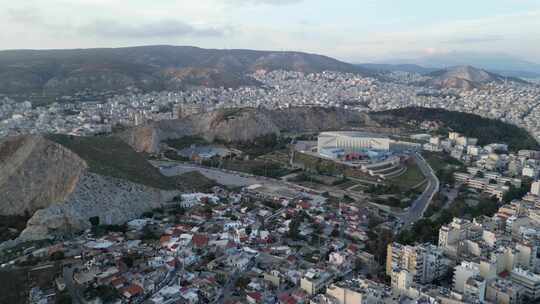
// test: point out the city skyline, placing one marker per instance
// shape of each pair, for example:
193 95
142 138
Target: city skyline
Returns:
354 31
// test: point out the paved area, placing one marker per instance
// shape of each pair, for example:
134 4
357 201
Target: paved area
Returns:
419 206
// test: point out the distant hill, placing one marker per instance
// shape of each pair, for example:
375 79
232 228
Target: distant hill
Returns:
64 72
497 63
464 77
410 68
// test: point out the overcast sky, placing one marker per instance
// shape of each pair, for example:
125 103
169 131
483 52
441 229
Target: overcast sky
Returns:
352 30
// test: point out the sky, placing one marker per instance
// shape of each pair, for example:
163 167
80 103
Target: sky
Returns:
350 30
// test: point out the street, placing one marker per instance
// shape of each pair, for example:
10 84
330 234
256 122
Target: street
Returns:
419 206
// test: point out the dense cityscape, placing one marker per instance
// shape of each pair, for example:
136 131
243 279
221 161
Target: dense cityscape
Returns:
270 152
514 102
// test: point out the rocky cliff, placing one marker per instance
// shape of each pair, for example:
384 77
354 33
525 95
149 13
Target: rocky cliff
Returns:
245 124
35 172
113 200
62 187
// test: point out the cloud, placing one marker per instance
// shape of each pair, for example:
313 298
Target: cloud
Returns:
263 2
475 39
159 29
24 15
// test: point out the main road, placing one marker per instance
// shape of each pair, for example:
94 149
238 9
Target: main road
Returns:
419 206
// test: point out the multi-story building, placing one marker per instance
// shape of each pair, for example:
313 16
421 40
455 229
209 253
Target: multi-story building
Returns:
535 188
315 280
425 262
528 280
494 187
452 235
357 291
527 256
463 272
501 291
474 289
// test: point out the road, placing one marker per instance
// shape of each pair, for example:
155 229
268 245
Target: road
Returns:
419 206
71 286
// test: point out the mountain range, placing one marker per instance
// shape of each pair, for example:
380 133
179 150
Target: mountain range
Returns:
496 63
161 67
53 73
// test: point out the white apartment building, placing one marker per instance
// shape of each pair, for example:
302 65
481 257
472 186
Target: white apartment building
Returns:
425 262
474 290
528 280
535 188
463 272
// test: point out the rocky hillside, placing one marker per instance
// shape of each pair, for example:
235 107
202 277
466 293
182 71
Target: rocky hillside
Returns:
61 181
35 172
243 125
113 200
463 77
63 72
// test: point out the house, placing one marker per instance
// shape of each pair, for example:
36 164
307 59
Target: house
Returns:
132 291
254 297
200 241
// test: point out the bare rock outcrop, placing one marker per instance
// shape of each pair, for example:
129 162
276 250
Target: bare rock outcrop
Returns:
113 200
59 191
243 124
34 172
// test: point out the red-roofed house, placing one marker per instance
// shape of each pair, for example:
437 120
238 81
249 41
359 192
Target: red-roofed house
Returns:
200 240
118 282
286 299
132 291
254 297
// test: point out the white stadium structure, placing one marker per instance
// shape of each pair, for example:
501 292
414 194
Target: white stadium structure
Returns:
354 141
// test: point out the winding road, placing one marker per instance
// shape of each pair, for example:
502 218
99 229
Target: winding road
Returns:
419 206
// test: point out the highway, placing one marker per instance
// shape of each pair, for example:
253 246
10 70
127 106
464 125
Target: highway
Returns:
419 206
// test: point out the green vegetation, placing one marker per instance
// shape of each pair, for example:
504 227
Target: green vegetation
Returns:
486 130
186 142
444 166
318 165
110 156
172 155
194 181
13 286
106 293
262 145
255 167
11 225
382 189
63 298
517 193
427 230
320 179
411 178
436 205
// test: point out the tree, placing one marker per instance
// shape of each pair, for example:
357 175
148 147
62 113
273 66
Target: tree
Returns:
57 256
148 233
94 221
294 229
63 298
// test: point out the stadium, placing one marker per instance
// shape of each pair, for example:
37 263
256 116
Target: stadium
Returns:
338 144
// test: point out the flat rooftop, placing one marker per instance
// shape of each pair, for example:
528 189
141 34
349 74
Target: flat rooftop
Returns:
353 134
